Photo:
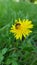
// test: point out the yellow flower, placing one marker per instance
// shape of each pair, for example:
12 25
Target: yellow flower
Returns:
21 28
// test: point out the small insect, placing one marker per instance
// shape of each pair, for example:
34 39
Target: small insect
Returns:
17 25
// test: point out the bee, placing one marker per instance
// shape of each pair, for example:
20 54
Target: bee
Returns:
17 25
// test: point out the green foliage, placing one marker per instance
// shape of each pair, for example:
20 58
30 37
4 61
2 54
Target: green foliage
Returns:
16 52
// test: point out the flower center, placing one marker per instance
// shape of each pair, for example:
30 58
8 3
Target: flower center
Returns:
17 26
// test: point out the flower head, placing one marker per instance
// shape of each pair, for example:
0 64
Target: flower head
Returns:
21 28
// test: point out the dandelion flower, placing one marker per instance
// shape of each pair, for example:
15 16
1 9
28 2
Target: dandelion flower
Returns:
21 28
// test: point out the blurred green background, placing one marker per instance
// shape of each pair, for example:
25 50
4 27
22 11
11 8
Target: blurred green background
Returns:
17 52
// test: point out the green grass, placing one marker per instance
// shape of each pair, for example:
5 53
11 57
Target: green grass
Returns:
16 52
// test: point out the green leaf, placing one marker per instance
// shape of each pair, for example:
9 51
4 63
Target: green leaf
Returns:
4 51
1 57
